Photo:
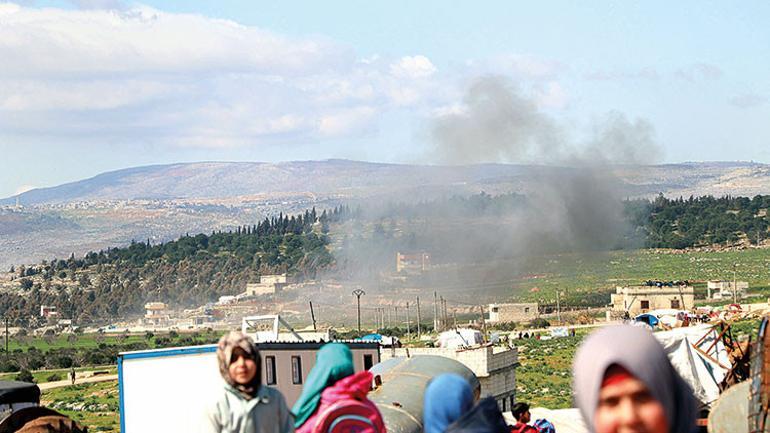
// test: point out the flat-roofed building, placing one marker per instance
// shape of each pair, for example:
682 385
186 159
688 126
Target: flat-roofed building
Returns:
156 314
513 312
724 289
285 365
653 296
268 285
412 263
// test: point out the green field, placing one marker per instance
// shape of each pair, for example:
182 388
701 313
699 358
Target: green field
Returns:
94 405
94 340
42 376
578 275
84 341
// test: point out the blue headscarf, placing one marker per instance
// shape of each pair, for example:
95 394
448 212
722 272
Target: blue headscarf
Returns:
447 398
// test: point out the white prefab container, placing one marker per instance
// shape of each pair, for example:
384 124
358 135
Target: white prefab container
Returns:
167 390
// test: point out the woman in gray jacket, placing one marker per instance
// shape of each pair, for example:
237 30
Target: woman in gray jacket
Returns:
245 406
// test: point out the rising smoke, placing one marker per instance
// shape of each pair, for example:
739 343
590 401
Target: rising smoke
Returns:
570 201
575 202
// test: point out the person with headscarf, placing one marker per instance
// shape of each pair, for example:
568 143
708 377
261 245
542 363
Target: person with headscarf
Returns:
245 406
623 381
447 398
334 395
448 408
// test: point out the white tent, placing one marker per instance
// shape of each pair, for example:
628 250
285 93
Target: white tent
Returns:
461 337
701 373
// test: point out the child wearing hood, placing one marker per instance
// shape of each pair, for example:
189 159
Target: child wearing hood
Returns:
334 396
623 381
245 406
448 408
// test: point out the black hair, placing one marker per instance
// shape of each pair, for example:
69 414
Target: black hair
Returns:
519 409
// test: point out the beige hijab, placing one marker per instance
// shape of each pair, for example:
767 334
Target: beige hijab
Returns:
227 344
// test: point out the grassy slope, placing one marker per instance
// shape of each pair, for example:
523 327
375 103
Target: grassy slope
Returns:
601 272
94 405
41 376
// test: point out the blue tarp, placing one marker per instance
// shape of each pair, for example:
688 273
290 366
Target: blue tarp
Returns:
372 337
648 319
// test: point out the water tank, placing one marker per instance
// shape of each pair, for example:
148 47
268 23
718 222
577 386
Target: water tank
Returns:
400 386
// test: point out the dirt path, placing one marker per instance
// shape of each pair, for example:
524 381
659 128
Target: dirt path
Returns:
92 379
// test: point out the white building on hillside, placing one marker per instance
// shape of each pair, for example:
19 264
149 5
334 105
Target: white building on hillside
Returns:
268 285
724 289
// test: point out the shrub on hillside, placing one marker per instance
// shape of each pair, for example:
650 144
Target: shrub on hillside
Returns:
25 376
539 323
64 362
8 366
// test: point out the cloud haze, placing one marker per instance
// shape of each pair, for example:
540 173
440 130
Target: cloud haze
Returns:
110 73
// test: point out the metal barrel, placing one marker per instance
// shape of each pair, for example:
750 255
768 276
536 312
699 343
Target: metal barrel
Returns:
730 414
403 382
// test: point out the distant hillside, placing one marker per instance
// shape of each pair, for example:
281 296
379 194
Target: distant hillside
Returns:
189 271
163 202
221 180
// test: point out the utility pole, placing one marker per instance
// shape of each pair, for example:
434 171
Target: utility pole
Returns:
558 307
435 313
408 327
442 311
735 285
389 321
419 319
312 315
395 314
6 333
446 315
483 322
357 293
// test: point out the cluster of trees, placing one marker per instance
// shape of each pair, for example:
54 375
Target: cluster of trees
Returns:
476 205
189 271
103 353
700 221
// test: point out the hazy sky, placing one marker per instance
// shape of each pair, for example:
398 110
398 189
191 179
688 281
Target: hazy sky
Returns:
94 85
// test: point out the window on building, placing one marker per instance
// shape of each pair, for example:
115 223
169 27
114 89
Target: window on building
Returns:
526 309
270 378
296 370
675 304
645 305
494 309
368 362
